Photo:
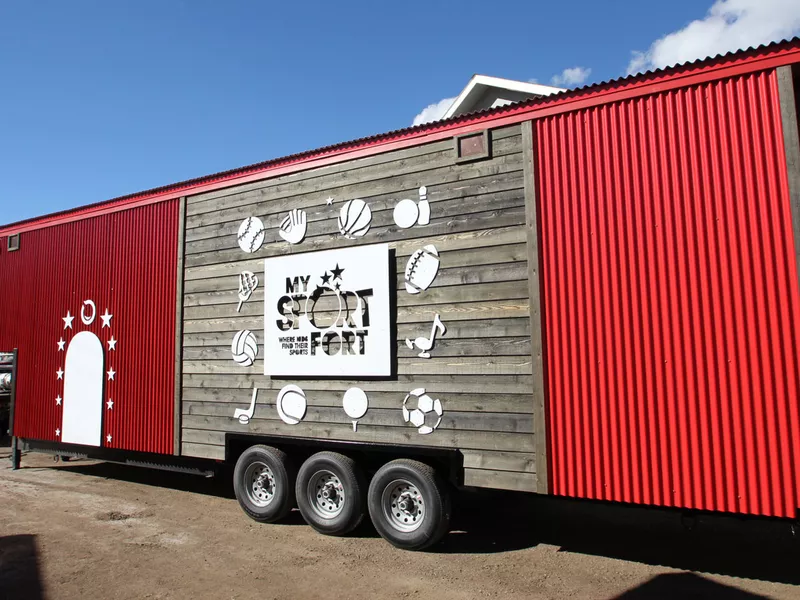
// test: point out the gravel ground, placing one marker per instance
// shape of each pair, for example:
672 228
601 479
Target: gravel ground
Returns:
83 529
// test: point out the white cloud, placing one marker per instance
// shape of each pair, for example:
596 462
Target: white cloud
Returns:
571 77
433 112
729 25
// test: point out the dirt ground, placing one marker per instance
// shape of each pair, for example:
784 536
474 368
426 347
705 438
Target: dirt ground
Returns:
83 529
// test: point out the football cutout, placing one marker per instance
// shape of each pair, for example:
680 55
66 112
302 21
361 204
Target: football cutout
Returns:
422 411
244 348
421 269
354 219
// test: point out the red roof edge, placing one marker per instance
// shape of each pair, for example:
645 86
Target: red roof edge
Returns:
731 64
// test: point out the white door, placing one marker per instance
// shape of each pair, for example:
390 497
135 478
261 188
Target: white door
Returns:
82 419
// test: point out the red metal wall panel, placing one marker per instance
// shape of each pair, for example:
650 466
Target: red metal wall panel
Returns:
670 298
125 262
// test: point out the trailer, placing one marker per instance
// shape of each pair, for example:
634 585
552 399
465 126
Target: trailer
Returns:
590 295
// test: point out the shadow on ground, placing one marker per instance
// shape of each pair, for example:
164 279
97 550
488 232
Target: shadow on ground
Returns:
490 522
686 586
19 568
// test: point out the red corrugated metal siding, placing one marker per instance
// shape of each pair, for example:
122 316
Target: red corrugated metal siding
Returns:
671 300
126 262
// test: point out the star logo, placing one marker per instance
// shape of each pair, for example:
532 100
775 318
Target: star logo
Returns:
58 400
68 320
338 286
58 432
106 319
61 343
111 373
60 373
337 272
112 343
326 278
110 404
329 200
108 438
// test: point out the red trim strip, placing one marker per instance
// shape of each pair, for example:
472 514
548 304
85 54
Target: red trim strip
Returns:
678 77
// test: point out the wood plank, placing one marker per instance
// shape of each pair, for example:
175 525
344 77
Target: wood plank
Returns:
440 384
791 144
459 365
518 462
179 301
407 173
484 329
516 346
531 220
376 417
466 223
449 438
324 224
500 480
477 292
203 451
381 195
204 436
492 246
196 399
215 298
405 314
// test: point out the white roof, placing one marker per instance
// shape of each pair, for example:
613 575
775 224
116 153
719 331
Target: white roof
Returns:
479 84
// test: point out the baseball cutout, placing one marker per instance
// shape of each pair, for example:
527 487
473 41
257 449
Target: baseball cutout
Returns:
421 269
251 234
291 404
244 348
355 404
354 219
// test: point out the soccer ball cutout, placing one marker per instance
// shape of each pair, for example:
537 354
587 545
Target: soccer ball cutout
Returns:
422 411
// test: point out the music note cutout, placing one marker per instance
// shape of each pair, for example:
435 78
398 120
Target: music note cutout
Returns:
426 344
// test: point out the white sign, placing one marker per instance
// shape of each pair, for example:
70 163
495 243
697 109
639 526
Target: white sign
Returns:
327 313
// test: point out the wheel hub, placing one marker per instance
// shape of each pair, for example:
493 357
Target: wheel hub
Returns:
403 505
260 484
325 494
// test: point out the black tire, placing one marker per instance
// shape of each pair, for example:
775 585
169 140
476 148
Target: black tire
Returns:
409 477
270 503
344 481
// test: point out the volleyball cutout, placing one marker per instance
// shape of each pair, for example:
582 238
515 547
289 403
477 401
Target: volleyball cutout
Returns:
354 219
244 348
251 234
421 269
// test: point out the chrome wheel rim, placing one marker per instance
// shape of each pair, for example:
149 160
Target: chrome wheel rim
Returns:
325 494
260 484
403 505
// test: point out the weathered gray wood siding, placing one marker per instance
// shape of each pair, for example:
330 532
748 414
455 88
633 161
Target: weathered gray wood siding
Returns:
481 369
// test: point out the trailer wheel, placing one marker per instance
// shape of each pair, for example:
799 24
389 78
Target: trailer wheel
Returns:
409 504
331 493
263 482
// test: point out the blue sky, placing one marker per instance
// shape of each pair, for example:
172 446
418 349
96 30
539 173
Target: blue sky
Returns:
101 99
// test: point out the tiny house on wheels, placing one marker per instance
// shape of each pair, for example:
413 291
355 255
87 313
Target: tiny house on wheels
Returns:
591 294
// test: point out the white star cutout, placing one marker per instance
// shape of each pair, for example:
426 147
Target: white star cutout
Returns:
112 343
58 400
110 404
60 373
108 438
111 373
329 200
106 320
58 432
68 320
61 343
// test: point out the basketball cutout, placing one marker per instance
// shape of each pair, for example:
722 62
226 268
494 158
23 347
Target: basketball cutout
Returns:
354 219
244 348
